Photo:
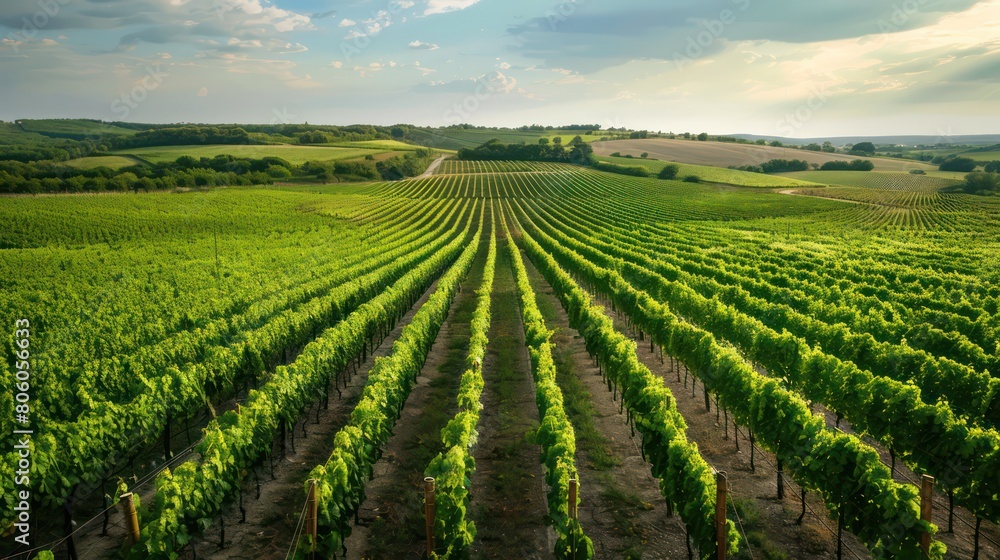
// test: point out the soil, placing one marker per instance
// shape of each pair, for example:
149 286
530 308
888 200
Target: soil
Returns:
392 521
770 525
508 493
960 540
271 520
622 509
724 154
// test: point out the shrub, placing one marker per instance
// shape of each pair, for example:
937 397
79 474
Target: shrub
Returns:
855 165
982 183
962 164
669 171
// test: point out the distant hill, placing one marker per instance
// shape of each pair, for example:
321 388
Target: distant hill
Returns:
969 140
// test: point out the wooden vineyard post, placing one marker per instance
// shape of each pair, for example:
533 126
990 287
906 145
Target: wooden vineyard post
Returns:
926 506
312 510
781 481
721 539
572 498
429 510
131 519
572 509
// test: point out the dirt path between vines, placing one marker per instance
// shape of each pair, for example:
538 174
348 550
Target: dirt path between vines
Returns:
271 520
622 509
770 524
960 541
391 517
432 168
508 494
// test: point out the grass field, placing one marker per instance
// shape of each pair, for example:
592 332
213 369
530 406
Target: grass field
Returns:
458 138
375 145
568 136
113 162
723 154
76 128
11 134
293 154
874 180
711 174
992 155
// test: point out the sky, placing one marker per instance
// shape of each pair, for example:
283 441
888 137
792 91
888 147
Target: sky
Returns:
799 68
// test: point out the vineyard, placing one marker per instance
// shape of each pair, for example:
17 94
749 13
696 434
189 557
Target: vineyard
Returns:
874 180
506 360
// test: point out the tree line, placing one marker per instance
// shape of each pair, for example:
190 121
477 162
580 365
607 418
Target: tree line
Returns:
189 172
577 151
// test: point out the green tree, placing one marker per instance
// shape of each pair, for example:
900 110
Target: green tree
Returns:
962 164
122 182
864 148
669 171
703 136
982 183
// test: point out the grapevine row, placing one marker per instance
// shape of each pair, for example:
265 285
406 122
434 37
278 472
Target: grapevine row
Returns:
340 487
232 443
555 433
69 453
686 479
850 476
964 458
453 469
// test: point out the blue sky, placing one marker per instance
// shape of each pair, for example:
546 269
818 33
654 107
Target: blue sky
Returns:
776 67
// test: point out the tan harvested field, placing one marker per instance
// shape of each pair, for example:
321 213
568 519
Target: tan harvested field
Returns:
723 154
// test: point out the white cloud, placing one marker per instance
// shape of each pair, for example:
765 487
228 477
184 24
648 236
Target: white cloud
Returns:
444 6
505 66
252 43
348 23
203 92
354 34
424 46
293 48
336 64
